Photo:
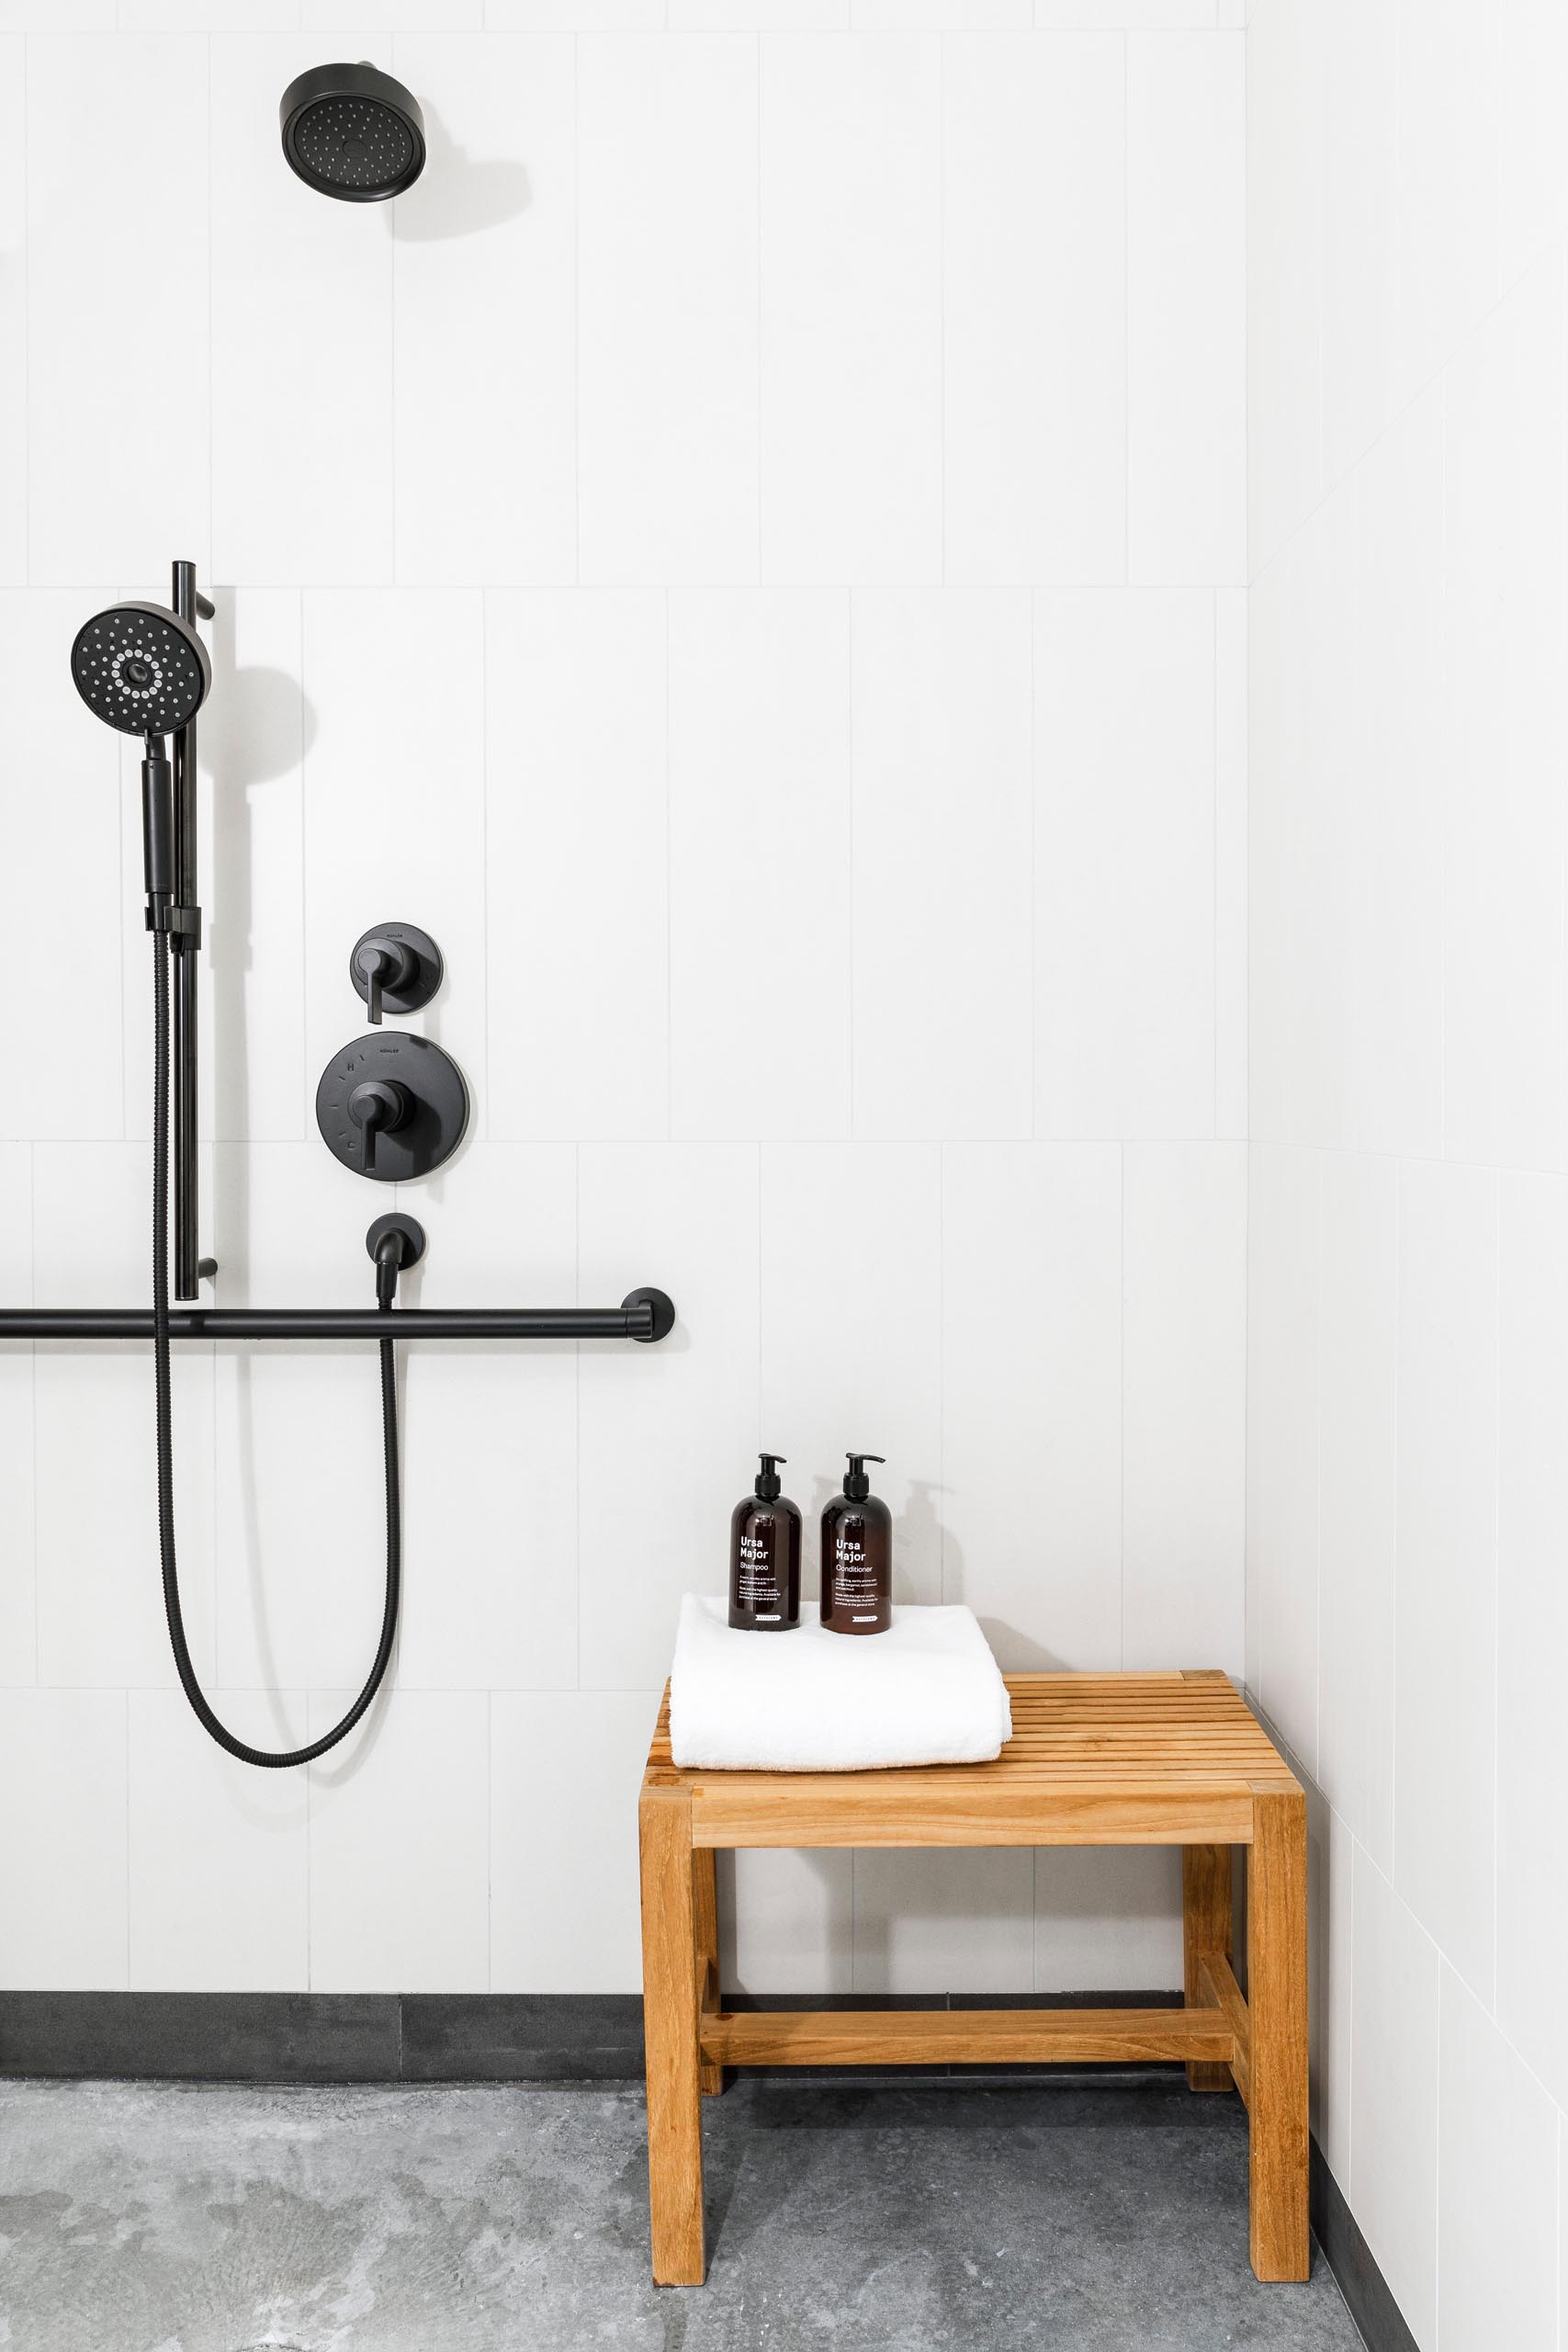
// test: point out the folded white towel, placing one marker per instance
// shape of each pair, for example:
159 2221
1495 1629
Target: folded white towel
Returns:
927 1691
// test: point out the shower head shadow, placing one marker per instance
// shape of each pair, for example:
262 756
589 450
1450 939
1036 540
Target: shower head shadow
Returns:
141 669
352 132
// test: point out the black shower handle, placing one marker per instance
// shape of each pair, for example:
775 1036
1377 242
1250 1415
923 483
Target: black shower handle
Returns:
378 1104
384 964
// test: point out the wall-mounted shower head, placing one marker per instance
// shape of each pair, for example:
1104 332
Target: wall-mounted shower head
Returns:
351 131
142 668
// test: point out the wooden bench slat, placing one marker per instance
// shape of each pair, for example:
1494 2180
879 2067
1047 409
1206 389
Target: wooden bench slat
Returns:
961 2037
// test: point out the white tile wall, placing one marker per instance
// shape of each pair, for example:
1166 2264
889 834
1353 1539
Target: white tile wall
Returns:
484 303
679 554
1496 2187
63 1853
1124 864
218 1870
1034 385
1186 347
1184 1285
1393 2094
301 348
850 389
13 311
1532 1619
1408 713
939 858
1445 1706
667 328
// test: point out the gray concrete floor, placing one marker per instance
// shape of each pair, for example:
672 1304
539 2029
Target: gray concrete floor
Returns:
854 2217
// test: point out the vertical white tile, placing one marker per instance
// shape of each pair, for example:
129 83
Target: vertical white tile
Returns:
954 1920
760 904
399 1852
668 310
1532 1619
396 684
100 1610
1392 2188
786 1920
1107 1919
62 1843
1255 1395
18 1622
485 308
1357 185
57 16
63 816
756 15
218 1866
666 1433
1030 1294
208 15
253 736
414 14
852 1350
13 311
1498 2191
1284 1211
1398 754
117 461
1167 13
936 15
303 477
941 857
1230 863
575 16
490 1447
576 852
1285 77
1124 864
1357 1407
1534 196
1184 1342
851 246
1449 183
1505 664
555 1926
1304 874
1034 320
1331 1916
1445 1562
1186 308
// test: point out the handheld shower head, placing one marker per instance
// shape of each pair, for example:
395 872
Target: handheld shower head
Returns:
140 668
353 132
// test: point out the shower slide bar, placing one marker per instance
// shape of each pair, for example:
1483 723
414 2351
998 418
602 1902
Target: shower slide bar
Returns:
645 1315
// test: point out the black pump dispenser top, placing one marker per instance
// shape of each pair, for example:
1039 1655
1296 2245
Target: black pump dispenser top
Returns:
857 1485
767 1487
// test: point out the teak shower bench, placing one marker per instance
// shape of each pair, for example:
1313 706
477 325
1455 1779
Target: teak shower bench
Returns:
1095 1759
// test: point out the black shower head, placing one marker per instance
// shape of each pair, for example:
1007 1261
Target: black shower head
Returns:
351 131
142 668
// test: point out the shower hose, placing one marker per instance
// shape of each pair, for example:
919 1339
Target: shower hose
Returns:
163 949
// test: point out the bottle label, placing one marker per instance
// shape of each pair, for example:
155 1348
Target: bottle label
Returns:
757 1585
854 1580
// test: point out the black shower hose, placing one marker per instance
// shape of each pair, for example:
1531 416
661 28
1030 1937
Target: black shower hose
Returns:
163 948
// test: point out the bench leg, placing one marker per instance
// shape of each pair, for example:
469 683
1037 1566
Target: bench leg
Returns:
1205 1927
670 2011
1276 2002
705 1914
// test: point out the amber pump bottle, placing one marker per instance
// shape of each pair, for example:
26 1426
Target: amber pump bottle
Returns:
857 1556
764 1556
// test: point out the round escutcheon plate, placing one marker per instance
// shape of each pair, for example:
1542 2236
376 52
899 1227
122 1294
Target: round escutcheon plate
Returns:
437 1105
